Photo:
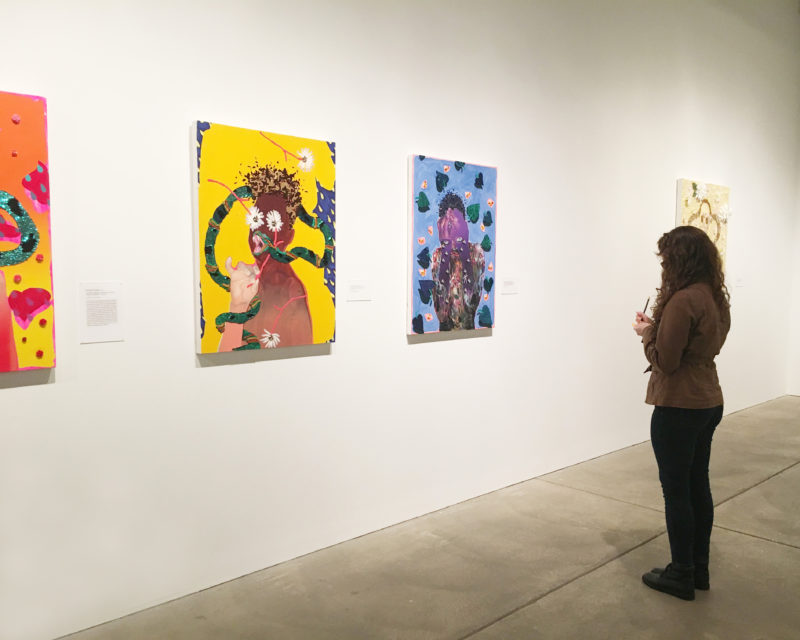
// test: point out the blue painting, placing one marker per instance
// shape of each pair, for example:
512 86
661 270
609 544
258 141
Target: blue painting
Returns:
454 207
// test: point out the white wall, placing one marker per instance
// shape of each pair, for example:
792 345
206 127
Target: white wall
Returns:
134 474
794 307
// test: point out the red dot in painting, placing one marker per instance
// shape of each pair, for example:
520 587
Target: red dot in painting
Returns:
42 322
17 279
24 339
40 354
16 119
39 257
14 154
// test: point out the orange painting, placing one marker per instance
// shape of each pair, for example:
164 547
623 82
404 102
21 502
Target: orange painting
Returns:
26 282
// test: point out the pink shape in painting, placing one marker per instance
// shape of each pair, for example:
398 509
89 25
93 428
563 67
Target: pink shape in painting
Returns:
8 232
28 304
37 187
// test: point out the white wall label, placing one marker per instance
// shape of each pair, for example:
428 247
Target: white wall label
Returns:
101 312
359 291
509 287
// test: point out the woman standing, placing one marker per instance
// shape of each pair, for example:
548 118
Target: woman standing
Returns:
690 322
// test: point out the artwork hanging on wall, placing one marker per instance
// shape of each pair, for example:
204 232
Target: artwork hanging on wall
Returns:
707 207
27 339
452 237
265 232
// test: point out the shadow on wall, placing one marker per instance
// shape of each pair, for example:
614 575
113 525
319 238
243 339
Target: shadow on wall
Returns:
259 355
27 378
448 335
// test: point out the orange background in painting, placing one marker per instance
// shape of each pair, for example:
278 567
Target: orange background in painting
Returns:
29 140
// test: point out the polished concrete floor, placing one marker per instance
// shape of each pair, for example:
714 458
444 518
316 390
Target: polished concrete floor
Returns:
558 556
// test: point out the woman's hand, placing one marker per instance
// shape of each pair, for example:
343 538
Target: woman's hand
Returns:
244 284
641 323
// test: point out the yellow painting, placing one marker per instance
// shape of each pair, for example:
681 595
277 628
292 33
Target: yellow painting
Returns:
707 207
265 237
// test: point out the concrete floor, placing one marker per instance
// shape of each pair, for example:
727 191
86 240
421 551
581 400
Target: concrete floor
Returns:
558 556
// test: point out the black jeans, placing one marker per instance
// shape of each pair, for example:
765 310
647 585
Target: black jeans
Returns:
682 443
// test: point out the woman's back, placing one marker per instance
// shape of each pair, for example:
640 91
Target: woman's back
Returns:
689 336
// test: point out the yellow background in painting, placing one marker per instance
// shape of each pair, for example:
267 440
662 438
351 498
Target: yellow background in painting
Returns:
226 155
689 208
29 140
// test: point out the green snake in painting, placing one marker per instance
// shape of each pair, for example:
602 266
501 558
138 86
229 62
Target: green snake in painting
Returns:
214 225
29 234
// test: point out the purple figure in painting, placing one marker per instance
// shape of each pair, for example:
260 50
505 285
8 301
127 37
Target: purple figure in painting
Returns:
457 268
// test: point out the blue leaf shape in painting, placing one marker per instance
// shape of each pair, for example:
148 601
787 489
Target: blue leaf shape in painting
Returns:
441 181
426 290
488 283
416 324
326 210
424 258
202 317
479 181
485 317
459 165
202 127
487 219
421 157
423 204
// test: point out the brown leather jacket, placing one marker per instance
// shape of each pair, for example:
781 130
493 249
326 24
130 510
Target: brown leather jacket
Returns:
681 354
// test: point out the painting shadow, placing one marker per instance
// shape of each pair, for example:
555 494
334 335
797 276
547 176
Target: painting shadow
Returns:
442 336
203 360
34 377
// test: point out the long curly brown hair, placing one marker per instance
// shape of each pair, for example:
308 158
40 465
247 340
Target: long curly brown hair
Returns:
687 257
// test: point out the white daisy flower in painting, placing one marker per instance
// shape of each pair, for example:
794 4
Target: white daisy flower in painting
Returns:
270 340
700 191
306 159
724 212
274 222
254 218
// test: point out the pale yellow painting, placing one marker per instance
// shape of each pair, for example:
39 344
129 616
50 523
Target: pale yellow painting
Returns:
707 207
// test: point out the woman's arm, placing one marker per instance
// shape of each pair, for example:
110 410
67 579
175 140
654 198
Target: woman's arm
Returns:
663 349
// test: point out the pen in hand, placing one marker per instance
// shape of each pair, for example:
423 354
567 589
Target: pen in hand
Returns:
641 318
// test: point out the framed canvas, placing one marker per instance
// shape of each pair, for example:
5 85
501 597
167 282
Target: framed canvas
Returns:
707 207
265 257
452 237
27 337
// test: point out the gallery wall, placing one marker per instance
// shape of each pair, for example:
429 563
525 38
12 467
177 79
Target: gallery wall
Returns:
136 472
793 308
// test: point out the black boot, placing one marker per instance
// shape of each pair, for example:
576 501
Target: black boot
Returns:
701 578
676 580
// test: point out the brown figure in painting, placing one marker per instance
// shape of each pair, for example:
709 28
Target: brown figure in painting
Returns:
284 317
457 268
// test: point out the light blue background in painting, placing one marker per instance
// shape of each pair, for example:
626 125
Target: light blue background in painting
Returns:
459 183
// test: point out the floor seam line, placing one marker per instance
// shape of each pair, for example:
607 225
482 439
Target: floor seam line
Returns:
757 537
527 604
600 495
736 495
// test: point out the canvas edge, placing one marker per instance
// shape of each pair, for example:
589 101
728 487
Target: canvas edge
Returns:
678 208
194 176
410 249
